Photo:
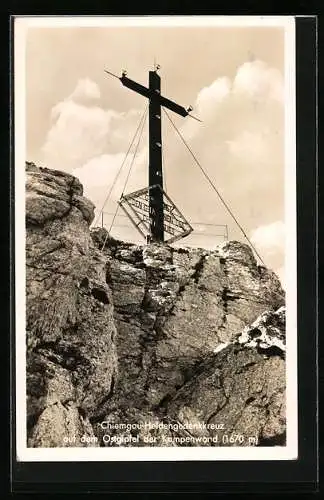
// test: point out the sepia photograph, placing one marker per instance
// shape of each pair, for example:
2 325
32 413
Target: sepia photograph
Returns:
155 236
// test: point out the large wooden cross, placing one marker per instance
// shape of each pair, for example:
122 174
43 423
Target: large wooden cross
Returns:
156 101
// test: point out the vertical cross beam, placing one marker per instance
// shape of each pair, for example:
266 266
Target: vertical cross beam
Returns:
155 159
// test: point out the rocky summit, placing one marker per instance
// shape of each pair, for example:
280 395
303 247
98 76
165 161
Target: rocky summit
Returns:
145 345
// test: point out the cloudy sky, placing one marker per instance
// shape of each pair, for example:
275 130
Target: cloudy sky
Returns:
80 120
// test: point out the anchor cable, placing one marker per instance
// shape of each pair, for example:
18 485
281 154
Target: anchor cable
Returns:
128 174
121 166
142 124
214 187
136 149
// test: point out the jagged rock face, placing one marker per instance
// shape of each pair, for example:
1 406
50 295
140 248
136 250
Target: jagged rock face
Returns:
235 397
122 333
240 392
71 354
174 306
241 388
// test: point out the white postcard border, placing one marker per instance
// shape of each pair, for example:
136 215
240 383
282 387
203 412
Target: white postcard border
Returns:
288 452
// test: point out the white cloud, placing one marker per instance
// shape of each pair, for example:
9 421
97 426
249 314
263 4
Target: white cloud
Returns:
270 238
104 182
211 96
240 143
229 105
250 146
259 81
208 101
253 80
77 134
82 130
99 171
105 170
85 89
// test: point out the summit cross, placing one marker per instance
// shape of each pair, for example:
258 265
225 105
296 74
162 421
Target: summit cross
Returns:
155 177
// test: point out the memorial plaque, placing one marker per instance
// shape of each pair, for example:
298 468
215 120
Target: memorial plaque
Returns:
137 207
